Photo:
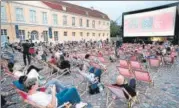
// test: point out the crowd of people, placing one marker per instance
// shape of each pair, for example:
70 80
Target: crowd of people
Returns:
64 57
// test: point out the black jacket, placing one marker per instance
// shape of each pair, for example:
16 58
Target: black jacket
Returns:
129 89
26 47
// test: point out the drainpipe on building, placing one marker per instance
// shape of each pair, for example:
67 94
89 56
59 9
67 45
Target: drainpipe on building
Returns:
11 25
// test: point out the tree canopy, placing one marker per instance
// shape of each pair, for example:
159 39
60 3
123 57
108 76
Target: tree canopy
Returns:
115 29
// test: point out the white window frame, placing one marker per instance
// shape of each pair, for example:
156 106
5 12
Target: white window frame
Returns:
93 24
44 18
73 33
81 22
81 33
3 13
65 20
22 34
55 35
55 19
93 34
65 32
88 34
20 15
4 32
73 21
33 14
87 23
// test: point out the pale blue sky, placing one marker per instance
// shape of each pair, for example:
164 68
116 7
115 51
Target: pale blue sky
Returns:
114 9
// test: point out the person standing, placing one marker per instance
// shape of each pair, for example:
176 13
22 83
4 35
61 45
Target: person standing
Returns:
26 53
118 45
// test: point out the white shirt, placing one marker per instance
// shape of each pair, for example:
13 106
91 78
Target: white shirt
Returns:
57 55
41 98
33 74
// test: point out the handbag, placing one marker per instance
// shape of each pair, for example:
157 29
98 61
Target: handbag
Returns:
31 50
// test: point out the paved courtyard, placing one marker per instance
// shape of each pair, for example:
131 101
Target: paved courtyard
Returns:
164 93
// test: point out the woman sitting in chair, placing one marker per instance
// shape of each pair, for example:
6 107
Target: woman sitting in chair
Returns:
55 99
130 88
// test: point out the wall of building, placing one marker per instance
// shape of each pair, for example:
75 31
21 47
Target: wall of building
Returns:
39 7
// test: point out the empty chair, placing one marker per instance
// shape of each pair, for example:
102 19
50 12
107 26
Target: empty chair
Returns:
135 65
133 58
125 72
143 76
123 63
95 65
102 60
154 62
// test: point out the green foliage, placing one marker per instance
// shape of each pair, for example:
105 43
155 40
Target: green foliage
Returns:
115 29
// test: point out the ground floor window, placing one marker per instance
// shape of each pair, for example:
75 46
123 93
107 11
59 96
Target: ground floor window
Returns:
73 33
65 33
45 35
56 35
22 34
87 34
34 35
93 34
81 33
4 32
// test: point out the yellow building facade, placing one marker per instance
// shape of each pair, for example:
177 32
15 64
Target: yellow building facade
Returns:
52 22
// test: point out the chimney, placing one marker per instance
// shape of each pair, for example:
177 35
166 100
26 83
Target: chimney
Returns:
92 8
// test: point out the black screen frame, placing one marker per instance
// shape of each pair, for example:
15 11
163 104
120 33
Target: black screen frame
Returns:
148 10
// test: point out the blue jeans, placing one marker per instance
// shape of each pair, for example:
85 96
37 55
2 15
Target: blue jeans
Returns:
68 95
59 86
97 72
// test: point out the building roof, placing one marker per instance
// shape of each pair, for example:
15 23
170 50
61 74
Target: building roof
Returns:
58 5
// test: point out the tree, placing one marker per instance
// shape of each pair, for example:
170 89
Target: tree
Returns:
115 29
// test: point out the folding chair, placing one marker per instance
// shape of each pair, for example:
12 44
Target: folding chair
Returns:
119 93
102 60
123 63
143 76
133 58
168 60
7 72
124 71
135 65
154 63
59 73
25 99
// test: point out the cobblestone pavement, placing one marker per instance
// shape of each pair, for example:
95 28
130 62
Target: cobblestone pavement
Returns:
164 93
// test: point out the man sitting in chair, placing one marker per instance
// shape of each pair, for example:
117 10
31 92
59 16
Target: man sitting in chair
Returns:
53 100
130 88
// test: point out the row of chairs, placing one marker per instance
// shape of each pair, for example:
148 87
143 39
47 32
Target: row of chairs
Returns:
134 69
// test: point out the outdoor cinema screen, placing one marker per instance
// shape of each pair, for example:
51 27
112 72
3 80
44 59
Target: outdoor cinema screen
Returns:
159 22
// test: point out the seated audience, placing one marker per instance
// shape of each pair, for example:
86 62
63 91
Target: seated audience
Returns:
56 98
130 88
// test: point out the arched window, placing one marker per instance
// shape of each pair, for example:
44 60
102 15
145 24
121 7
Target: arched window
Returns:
34 35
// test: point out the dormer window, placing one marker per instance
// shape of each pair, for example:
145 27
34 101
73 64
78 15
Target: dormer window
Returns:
86 13
103 16
64 8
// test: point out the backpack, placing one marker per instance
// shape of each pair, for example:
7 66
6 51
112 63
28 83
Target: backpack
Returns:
93 89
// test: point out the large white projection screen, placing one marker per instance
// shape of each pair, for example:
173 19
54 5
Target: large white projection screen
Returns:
153 23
